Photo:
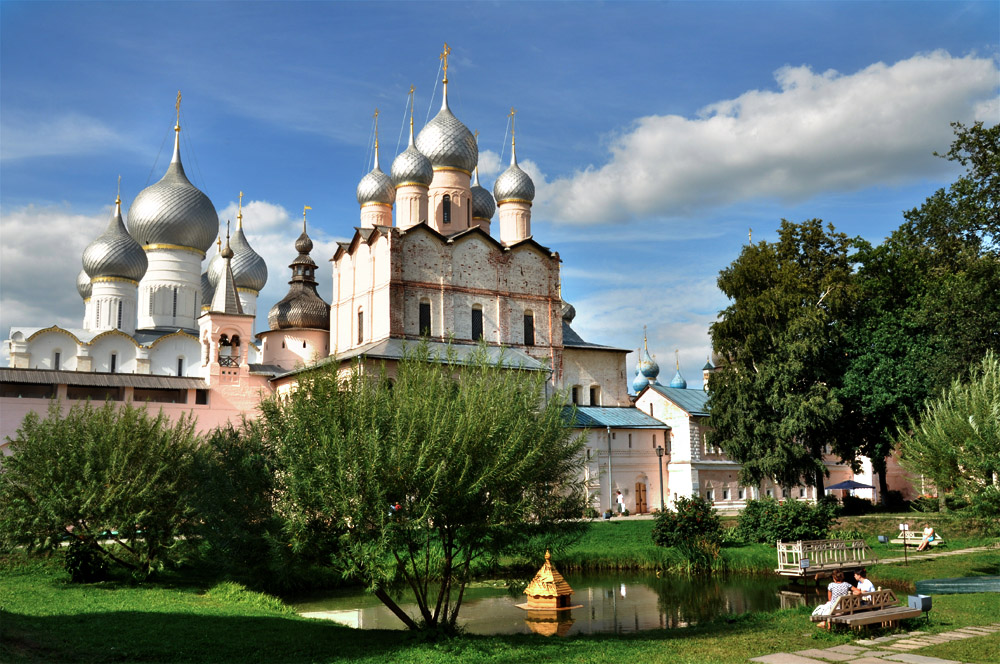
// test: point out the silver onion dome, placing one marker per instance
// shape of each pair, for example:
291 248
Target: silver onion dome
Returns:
83 285
411 167
568 312
447 142
483 205
376 187
249 269
207 290
173 211
514 185
114 253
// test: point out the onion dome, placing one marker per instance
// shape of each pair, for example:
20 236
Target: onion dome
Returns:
215 268
639 382
376 187
249 269
83 285
207 290
302 307
678 381
225 299
647 365
410 166
447 142
114 253
483 205
513 184
173 211
568 312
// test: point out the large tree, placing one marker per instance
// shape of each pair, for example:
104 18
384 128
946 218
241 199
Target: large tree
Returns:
418 477
113 479
774 403
955 440
929 298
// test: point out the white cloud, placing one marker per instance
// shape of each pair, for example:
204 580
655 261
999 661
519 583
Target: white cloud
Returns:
69 134
818 132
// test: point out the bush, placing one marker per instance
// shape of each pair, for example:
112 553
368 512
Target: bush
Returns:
113 478
84 563
854 506
591 513
693 519
768 521
925 504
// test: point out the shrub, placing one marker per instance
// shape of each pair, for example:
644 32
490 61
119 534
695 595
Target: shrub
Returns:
591 513
84 563
113 478
768 521
925 504
693 519
854 506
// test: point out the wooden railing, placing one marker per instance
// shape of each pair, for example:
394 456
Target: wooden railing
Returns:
823 555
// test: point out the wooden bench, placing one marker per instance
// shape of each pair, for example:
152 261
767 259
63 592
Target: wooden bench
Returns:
880 606
915 537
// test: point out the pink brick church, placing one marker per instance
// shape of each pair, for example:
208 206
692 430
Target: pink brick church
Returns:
435 255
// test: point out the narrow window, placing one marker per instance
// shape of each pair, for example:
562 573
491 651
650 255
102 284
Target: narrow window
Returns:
425 318
654 440
529 329
784 493
650 410
630 441
725 494
56 360
770 493
303 344
180 366
740 493
477 322
468 214
114 362
361 326
576 395
446 209
594 396
710 494
175 302
119 314
802 493
282 344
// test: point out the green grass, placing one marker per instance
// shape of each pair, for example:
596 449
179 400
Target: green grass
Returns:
45 618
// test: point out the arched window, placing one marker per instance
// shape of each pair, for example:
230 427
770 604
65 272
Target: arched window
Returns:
180 366
477 322
425 318
529 328
227 356
56 360
361 326
595 395
446 209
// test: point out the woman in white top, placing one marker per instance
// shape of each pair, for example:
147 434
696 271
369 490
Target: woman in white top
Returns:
837 589
928 537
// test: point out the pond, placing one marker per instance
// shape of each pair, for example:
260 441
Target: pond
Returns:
612 602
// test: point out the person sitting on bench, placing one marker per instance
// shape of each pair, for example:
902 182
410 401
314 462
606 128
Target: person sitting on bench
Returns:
864 586
834 591
928 537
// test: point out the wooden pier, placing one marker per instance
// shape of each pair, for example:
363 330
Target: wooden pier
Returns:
822 557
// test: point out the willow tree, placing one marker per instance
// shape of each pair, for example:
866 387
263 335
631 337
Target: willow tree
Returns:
415 480
955 441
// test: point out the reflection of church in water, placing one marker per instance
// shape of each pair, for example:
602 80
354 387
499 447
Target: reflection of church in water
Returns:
435 254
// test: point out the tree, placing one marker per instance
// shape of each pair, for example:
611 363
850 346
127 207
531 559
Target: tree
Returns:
114 480
774 402
956 440
929 298
419 477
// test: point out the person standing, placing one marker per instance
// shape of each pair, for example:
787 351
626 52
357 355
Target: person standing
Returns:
621 501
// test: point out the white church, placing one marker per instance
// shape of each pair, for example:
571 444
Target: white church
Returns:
165 326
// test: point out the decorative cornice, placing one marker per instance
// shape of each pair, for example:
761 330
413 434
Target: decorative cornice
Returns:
241 289
513 200
97 280
452 168
411 184
176 247
375 204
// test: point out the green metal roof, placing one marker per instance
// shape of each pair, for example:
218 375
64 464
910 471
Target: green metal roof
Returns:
693 402
592 417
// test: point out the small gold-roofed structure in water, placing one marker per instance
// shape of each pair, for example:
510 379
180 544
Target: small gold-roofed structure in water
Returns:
548 590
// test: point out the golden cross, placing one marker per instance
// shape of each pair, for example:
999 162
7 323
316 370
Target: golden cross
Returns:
412 88
239 211
118 197
178 107
304 208
376 128
677 354
444 57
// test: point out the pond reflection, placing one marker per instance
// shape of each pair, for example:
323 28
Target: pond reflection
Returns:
612 603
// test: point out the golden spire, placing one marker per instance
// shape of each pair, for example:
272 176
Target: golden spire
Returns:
412 88
444 58
218 244
118 196
644 346
376 137
177 127
239 213
513 146
677 356
304 208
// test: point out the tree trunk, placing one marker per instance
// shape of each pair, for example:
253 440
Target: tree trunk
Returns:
879 466
392 606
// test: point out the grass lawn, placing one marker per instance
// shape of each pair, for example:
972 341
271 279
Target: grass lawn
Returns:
45 619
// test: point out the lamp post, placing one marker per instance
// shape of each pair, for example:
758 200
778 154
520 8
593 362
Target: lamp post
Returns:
659 465
611 484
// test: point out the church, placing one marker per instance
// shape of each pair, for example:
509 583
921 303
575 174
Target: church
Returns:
435 256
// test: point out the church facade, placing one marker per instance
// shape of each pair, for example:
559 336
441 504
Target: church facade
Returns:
435 256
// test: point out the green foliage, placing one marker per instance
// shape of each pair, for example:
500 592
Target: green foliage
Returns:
768 521
774 399
956 441
694 528
476 457
85 563
114 478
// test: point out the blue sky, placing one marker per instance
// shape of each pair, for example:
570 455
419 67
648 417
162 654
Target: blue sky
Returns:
657 133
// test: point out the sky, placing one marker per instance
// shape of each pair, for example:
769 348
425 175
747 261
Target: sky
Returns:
657 134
